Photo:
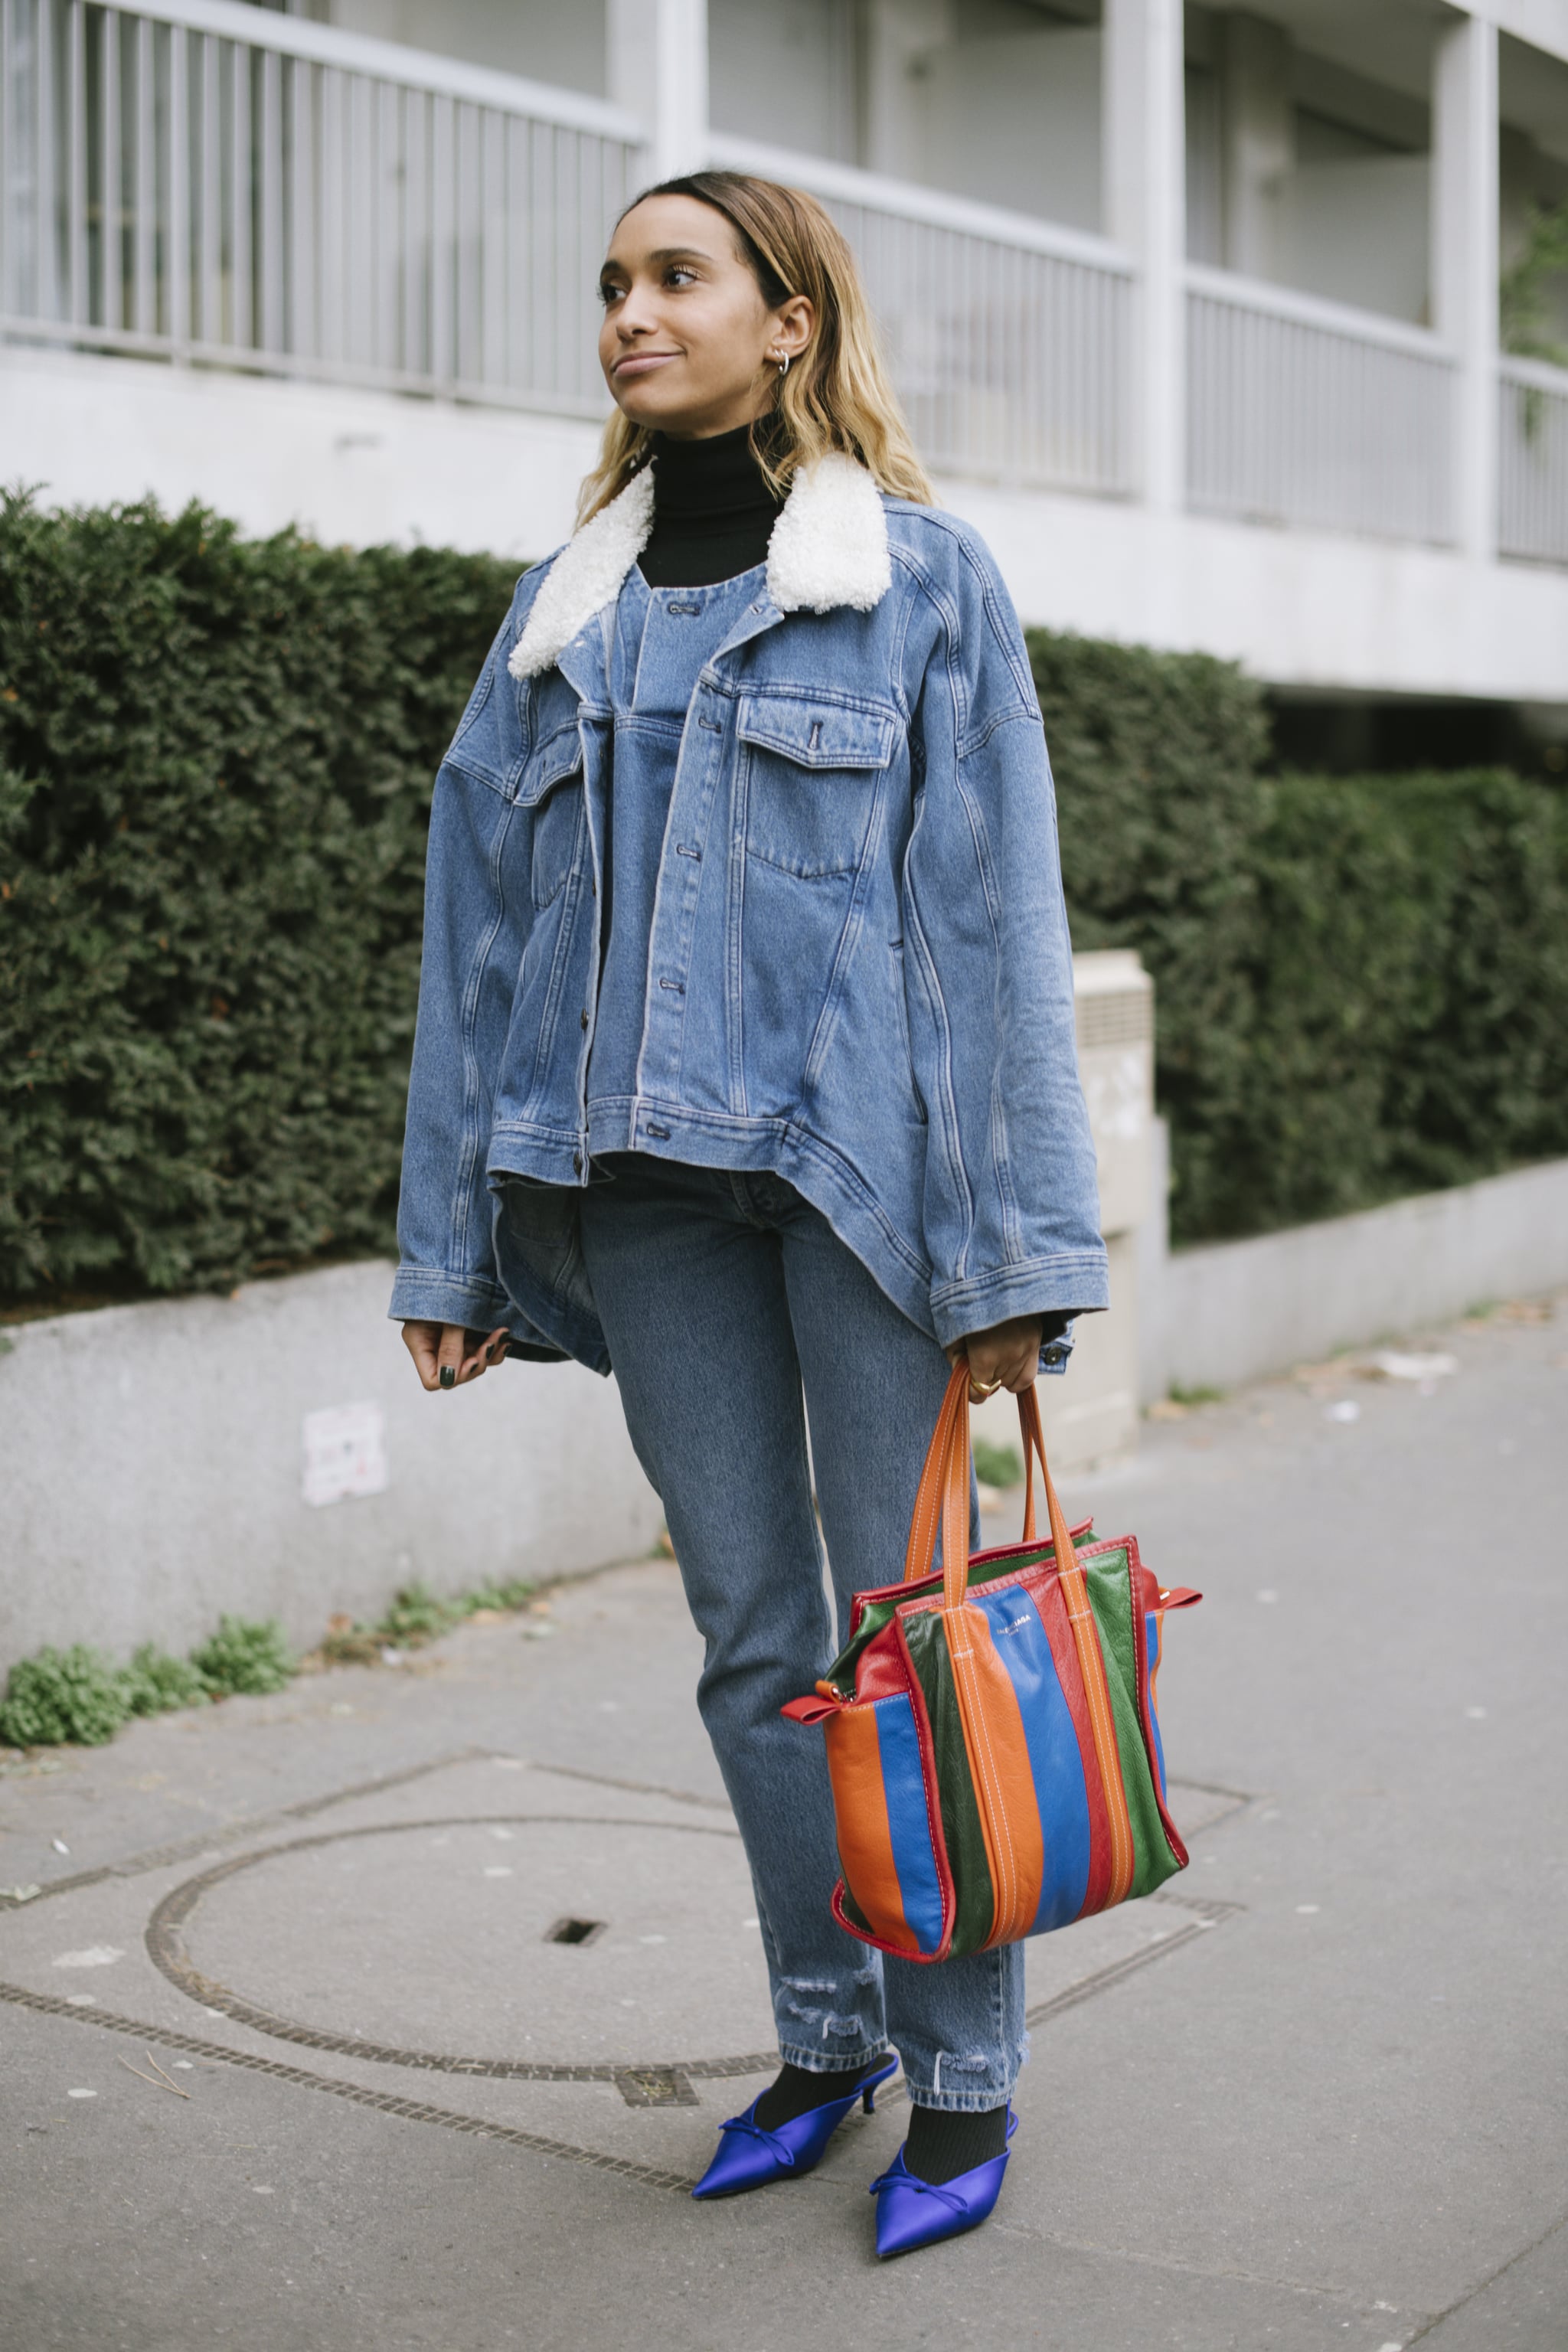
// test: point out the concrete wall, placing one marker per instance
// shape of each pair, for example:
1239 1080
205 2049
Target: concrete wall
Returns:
537 38
1213 1317
152 1462
348 467
154 1457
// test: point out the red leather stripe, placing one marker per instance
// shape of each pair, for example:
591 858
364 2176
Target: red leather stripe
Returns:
1148 1681
860 1811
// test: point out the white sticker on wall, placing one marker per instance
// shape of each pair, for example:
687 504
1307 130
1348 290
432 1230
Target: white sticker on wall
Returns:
345 1453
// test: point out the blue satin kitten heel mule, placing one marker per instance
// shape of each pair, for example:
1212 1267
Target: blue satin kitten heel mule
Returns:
912 2212
749 2155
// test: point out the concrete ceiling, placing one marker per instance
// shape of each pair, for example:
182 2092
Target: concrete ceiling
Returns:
1389 41
1534 95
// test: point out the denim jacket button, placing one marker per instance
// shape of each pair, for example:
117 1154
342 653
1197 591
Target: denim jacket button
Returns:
583 1019
576 1163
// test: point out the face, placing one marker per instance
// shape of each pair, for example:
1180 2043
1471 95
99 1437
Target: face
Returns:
689 347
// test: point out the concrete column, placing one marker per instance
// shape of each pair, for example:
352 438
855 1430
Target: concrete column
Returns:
1258 141
658 53
895 34
1144 209
1465 261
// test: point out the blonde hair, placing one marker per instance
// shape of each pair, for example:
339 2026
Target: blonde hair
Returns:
837 395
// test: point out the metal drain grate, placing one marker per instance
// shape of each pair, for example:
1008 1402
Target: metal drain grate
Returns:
575 1931
655 2086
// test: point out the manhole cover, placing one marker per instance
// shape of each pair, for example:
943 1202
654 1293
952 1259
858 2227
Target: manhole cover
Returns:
560 1947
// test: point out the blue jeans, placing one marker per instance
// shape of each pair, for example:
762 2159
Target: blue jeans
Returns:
723 1297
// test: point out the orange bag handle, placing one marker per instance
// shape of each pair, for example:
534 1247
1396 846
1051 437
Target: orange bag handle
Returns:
942 1498
945 1495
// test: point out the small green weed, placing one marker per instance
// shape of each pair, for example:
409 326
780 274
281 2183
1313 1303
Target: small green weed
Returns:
62 1695
417 1616
252 1659
997 1466
515 1593
79 1696
154 1682
1200 1395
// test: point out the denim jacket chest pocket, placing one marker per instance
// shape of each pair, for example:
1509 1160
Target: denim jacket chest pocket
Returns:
551 788
810 768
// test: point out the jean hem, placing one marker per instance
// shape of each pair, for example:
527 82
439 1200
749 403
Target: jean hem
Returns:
831 2061
958 2102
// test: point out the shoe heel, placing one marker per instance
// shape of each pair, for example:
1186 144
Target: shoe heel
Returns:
868 2101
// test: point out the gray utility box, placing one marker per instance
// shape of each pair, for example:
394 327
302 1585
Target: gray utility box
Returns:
1092 1415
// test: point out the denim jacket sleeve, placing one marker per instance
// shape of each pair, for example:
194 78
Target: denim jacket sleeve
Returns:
476 928
1011 1203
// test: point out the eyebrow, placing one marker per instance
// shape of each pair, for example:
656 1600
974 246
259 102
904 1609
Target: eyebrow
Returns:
662 253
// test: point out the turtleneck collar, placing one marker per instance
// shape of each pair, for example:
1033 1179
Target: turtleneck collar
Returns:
713 512
710 477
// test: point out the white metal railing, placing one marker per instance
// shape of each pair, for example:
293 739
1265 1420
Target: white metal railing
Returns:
198 179
1533 461
1009 338
1304 413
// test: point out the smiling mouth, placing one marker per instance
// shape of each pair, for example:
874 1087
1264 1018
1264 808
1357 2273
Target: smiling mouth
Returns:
636 362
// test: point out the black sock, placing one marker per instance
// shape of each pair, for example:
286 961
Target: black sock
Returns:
797 2091
945 2142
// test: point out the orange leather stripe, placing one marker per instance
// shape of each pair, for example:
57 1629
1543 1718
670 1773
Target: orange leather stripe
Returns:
999 1768
861 1812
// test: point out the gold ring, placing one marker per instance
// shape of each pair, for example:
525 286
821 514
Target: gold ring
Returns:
986 1388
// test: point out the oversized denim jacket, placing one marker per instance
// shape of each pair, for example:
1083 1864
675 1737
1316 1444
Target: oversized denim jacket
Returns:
859 973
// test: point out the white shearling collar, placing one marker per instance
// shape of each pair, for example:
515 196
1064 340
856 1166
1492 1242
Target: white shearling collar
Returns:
829 547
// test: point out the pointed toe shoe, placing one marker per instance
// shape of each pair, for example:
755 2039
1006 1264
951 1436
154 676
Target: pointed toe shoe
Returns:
750 2156
912 2212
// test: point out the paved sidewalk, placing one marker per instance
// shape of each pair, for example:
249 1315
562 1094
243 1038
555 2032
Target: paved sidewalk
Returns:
1312 2094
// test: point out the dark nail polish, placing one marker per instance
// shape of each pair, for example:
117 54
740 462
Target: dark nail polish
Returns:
449 1376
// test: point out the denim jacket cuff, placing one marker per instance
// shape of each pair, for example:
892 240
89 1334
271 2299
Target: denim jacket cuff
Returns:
1076 1280
431 1294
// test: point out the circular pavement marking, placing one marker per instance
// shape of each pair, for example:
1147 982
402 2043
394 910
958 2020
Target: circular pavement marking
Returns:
392 1927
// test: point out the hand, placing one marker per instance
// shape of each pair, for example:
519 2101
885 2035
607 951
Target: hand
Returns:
1007 1356
447 1347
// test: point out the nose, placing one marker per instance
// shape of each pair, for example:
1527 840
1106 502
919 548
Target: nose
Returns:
630 321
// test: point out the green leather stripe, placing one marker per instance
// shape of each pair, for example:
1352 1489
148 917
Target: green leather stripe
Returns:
851 1908
976 1899
1110 1598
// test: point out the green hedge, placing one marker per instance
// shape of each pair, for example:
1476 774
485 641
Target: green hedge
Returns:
1361 983
216 760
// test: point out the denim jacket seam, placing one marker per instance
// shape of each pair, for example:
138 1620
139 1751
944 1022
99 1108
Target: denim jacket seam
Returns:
1013 1270
959 539
446 1278
472 1083
942 1119
1008 716
947 614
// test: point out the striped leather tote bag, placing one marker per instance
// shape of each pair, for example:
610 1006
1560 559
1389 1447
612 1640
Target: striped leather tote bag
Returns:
992 1735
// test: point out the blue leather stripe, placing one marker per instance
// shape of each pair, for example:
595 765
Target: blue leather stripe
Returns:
1054 1759
1152 1625
908 1825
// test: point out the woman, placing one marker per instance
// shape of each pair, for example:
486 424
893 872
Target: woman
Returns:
745 1058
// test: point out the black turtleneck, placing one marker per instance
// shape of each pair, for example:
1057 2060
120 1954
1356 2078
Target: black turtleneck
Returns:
713 512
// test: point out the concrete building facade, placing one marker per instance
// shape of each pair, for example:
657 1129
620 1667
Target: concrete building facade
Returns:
1195 311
